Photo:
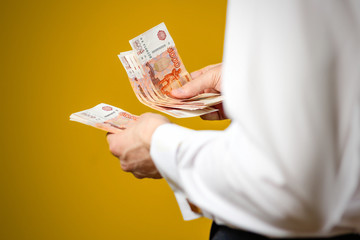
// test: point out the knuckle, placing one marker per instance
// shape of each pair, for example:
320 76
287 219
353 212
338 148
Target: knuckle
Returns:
147 115
211 116
125 166
114 149
138 176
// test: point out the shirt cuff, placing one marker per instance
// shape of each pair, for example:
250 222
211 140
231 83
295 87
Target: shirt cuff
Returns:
165 143
185 208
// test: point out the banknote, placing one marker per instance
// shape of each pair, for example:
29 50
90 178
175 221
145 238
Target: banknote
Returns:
139 78
176 108
154 68
157 53
105 117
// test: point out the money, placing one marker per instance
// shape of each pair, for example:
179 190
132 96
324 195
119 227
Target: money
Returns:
154 68
105 117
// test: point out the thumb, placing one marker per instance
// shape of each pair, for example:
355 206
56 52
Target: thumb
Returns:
194 87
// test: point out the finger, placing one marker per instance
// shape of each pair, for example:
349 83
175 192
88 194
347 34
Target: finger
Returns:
109 136
138 176
116 142
195 86
197 73
222 114
210 90
125 166
219 115
211 116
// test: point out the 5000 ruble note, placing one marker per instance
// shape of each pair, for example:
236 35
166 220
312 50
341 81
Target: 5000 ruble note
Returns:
105 117
155 68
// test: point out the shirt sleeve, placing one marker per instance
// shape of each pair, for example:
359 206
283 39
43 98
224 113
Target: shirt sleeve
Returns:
283 166
237 184
227 176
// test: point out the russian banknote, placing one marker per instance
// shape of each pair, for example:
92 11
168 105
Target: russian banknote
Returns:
105 117
154 68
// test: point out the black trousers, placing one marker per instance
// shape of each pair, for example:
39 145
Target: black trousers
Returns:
219 232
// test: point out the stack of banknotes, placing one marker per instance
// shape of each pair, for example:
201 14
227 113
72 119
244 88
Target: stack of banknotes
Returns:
154 68
105 117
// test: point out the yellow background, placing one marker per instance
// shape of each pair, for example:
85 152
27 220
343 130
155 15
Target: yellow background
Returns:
58 179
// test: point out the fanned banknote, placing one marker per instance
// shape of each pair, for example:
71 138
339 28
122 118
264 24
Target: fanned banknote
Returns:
105 117
154 68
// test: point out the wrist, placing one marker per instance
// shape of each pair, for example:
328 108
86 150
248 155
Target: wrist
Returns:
151 123
150 131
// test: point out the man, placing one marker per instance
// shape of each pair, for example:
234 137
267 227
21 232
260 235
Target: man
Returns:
288 166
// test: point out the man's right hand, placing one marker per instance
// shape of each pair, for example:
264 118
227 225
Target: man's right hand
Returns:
205 80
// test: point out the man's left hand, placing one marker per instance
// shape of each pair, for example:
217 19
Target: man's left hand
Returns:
132 146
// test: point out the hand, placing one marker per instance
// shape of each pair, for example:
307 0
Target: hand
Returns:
205 80
132 146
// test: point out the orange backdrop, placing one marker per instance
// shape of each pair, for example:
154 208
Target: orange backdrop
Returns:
57 178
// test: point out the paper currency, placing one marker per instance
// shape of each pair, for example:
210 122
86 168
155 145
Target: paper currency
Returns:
105 117
154 68
158 56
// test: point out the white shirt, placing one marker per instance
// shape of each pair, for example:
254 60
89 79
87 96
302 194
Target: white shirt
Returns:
289 163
